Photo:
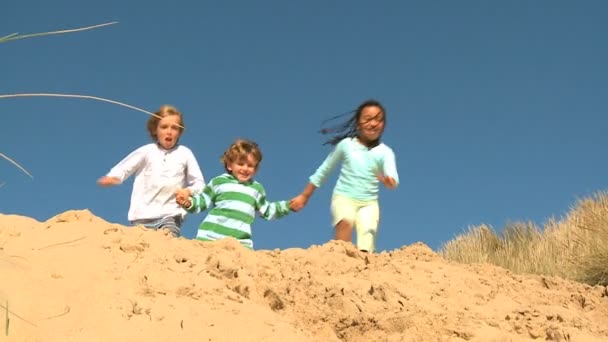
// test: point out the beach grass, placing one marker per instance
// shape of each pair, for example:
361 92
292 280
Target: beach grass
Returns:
574 247
16 36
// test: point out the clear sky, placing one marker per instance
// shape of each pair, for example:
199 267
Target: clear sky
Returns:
496 110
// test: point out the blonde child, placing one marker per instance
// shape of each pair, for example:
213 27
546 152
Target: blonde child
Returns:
235 197
366 162
160 168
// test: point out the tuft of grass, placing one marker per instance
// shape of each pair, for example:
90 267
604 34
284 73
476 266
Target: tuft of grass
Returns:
575 247
15 36
474 246
517 248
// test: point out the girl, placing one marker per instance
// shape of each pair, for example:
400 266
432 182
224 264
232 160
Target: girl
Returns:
160 168
365 162
235 197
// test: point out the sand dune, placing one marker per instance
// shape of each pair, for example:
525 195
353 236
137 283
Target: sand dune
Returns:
77 277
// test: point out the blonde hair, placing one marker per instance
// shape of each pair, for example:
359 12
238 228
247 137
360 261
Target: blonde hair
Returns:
164 111
240 149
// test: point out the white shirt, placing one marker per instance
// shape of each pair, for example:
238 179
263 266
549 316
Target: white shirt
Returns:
158 174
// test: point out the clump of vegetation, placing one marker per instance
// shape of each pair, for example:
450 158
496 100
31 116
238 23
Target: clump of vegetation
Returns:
575 247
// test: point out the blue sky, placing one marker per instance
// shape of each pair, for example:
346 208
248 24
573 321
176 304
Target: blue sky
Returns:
496 110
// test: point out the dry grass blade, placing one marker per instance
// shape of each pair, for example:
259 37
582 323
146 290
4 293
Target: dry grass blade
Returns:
17 165
15 36
2 306
6 320
61 243
7 37
89 97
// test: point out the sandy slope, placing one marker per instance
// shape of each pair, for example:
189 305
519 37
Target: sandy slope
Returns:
77 277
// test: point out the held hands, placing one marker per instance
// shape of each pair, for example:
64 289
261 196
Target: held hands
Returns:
182 197
298 202
106 181
389 182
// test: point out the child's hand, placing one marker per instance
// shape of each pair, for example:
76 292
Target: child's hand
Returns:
184 202
182 197
108 181
298 202
389 182
183 193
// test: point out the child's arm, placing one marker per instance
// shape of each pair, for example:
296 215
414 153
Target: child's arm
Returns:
271 210
125 168
300 201
182 197
330 162
195 181
319 177
389 176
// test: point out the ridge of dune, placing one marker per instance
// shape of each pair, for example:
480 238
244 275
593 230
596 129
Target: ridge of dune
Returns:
76 277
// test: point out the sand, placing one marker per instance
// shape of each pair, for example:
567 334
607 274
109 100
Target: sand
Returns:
77 277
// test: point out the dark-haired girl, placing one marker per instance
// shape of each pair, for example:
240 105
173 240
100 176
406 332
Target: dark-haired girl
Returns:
366 162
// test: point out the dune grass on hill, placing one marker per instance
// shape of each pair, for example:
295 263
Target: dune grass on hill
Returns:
574 247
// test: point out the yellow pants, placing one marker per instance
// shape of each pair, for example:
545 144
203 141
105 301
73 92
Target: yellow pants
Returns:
364 215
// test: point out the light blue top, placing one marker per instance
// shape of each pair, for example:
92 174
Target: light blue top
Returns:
360 167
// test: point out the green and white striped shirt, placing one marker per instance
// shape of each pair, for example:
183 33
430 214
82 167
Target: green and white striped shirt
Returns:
234 209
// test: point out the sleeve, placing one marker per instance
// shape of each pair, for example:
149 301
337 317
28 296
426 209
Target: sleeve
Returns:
203 200
270 210
131 163
334 157
195 181
389 167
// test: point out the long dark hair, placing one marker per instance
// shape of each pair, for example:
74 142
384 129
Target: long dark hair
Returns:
348 128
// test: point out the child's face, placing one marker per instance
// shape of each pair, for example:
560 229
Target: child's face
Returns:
371 123
167 131
243 169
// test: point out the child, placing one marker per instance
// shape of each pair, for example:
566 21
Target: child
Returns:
160 168
365 162
235 197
